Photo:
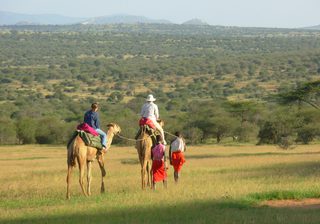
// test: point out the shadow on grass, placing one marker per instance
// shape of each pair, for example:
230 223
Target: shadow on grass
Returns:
206 156
197 212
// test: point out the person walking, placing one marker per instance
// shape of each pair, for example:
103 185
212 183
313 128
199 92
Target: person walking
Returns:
159 164
176 156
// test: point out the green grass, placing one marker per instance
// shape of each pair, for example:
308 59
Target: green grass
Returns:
283 195
29 158
218 185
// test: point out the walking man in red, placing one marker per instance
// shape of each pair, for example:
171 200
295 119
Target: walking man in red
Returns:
177 147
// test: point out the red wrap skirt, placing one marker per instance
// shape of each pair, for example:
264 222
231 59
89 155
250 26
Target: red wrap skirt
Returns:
177 160
146 121
158 171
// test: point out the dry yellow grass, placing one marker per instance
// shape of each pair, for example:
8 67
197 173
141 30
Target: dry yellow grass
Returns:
33 183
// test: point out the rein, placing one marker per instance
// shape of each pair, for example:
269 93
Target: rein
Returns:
134 140
129 139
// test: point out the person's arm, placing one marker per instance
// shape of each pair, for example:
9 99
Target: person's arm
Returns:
142 110
85 117
97 121
170 155
156 111
165 158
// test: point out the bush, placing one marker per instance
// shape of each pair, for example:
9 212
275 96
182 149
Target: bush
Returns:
26 128
307 133
268 134
7 131
193 135
52 130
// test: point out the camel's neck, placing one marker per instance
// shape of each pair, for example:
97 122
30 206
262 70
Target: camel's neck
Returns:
110 136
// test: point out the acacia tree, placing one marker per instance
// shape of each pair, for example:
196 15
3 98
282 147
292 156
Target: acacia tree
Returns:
308 93
247 113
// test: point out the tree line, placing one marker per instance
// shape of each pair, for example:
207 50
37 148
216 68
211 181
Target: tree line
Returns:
201 121
213 83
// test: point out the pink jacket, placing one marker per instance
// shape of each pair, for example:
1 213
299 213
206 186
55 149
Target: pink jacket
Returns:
85 127
158 152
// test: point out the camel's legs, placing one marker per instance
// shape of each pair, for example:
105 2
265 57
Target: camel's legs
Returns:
144 174
143 184
149 173
69 181
89 177
103 172
143 147
81 162
142 165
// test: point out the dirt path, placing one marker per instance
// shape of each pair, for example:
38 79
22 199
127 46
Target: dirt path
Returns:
309 203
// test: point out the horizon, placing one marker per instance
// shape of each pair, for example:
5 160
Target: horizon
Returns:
247 13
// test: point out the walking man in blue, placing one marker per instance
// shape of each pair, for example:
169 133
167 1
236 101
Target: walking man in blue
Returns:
91 117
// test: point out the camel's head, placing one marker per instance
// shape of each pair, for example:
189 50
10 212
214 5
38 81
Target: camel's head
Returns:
161 122
115 128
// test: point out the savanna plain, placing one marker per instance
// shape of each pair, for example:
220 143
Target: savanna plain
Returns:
219 184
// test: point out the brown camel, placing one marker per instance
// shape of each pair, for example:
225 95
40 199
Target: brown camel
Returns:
85 155
143 146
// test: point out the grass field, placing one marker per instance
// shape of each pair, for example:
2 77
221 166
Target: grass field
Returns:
219 184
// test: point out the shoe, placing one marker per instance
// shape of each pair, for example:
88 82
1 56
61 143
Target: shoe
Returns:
104 150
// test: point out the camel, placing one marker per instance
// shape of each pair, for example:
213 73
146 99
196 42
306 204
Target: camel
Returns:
78 151
143 146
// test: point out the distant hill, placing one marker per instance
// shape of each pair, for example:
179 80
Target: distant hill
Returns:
313 27
197 22
126 19
10 18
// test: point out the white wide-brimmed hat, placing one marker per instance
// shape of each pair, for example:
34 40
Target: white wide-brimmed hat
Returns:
150 98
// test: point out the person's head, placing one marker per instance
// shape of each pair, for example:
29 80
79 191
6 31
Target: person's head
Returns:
150 98
178 134
94 106
159 139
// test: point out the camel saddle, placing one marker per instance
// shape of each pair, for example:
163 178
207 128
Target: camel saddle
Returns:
150 131
88 139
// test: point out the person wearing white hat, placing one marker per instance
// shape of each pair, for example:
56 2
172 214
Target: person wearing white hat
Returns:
150 112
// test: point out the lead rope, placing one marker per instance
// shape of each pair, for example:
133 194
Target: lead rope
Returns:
129 139
134 140
169 133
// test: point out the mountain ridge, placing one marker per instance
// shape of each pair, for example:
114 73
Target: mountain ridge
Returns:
12 18
196 22
316 27
123 18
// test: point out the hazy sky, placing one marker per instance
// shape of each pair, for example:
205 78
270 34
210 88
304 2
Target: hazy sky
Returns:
259 13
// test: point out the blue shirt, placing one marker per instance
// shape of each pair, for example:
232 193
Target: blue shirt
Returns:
92 119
